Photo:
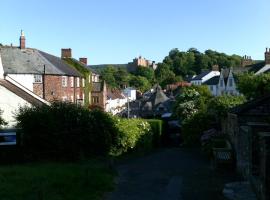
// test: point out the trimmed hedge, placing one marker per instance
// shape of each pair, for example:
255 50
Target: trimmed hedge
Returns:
67 131
156 126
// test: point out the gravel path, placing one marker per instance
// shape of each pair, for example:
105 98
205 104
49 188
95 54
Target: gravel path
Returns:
170 174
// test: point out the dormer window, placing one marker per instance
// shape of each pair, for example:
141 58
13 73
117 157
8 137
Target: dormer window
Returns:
221 83
230 82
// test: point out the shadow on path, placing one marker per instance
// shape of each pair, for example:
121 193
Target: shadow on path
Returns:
170 174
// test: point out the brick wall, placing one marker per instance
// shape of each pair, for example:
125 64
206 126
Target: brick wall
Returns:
55 91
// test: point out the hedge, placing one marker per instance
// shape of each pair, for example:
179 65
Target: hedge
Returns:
156 126
67 131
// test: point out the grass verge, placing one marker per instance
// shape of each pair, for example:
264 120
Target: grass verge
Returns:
56 181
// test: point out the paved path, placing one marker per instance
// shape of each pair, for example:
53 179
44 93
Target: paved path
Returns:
169 174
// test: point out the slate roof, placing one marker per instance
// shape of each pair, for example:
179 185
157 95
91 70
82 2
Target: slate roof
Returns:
115 94
200 76
212 81
256 67
32 61
19 92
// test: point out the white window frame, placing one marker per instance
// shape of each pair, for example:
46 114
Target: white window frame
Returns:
78 82
64 81
71 81
37 78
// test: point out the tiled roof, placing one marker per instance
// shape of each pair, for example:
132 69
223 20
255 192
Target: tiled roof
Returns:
115 94
200 76
60 64
212 81
32 61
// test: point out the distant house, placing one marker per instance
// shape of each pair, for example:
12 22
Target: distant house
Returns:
130 93
45 75
13 97
99 94
116 101
223 84
156 104
205 76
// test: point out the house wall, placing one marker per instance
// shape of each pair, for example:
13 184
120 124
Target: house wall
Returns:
54 90
213 89
1 68
231 89
131 93
25 80
9 104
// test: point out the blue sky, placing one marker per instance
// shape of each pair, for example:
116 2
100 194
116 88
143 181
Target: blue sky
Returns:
116 31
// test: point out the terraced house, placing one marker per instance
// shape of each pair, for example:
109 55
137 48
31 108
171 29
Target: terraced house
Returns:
47 76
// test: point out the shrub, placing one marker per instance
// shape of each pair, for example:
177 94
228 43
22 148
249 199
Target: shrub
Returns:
193 128
65 130
132 134
156 126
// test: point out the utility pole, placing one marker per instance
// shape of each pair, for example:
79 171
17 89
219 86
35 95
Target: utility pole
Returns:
43 81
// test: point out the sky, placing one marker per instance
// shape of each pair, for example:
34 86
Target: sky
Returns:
116 31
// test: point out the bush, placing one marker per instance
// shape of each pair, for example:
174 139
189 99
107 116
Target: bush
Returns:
156 126
65 131
132 134
193 128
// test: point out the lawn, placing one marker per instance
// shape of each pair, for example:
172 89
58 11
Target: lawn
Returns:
55 181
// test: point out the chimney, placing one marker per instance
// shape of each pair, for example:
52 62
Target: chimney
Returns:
22 40
83 60
267 56
246 60
215 68
66 53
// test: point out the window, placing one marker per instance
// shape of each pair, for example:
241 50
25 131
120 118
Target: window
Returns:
83 82
78 82
71 98
95 100
64 98
64 81
230 82
71 81
211 87
37 78
221 83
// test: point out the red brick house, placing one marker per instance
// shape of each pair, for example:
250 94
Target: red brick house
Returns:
46 75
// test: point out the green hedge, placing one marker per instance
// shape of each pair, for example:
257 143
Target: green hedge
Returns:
156 126
67 131
132 134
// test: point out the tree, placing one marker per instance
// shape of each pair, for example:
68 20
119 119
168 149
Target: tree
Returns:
140 82
191 100
108 75
146 72
220 105
253 86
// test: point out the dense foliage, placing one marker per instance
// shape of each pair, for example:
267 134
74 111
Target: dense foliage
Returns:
175 67
253 86
191 100
67 131
199 111
193 61
219 106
